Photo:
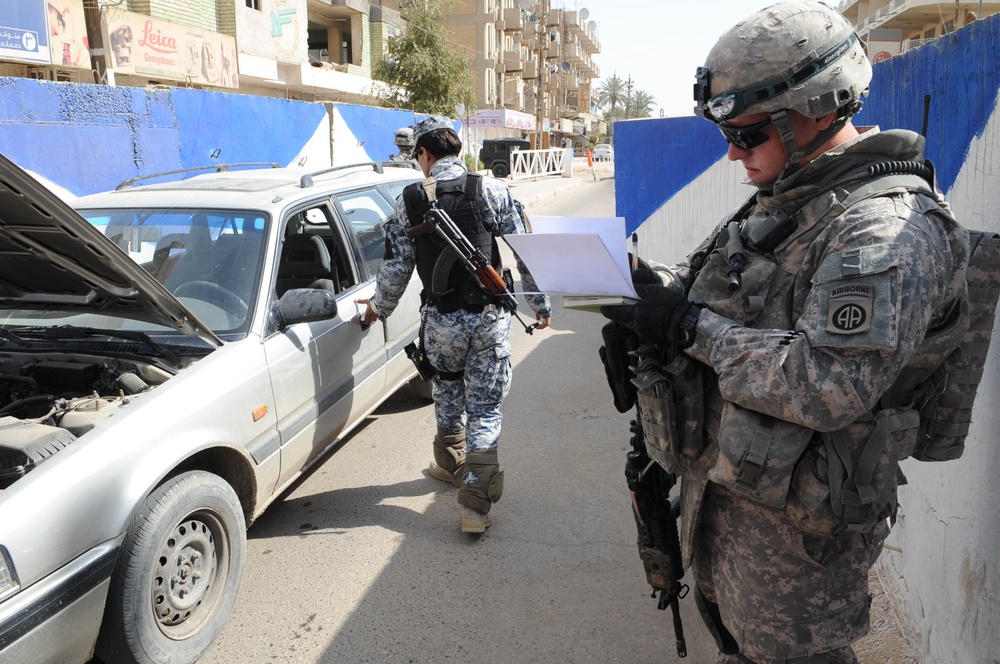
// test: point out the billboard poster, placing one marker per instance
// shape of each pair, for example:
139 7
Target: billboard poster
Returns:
152 47
68 34
24 33
502 117
884 44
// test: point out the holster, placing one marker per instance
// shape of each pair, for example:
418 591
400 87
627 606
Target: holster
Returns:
619 344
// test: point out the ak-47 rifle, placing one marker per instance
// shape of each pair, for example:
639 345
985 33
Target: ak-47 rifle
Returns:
648 481
469 255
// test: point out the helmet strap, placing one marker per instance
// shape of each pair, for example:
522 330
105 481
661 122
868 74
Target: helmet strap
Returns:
795 153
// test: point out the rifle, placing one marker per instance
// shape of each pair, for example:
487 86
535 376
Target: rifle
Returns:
437 221
648 481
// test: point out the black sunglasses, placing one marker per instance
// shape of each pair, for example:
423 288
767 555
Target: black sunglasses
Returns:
748 137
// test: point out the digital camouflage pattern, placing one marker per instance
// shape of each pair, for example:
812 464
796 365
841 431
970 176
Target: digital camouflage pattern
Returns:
479 344
799 358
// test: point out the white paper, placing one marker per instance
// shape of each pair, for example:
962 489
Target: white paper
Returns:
576 255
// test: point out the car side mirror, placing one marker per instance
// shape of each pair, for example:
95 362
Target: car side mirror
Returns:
306 305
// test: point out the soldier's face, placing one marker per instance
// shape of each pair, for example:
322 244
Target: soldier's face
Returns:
766 158
765 161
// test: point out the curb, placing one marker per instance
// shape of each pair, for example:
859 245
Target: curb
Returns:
534 199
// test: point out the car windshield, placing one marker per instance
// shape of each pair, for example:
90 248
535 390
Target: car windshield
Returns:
209 259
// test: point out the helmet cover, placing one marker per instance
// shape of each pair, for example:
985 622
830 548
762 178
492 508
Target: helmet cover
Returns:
429 124
798 55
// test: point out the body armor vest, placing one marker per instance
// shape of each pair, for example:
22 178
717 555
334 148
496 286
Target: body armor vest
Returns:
447 283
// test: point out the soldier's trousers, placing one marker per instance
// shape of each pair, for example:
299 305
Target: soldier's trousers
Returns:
783 595
478 345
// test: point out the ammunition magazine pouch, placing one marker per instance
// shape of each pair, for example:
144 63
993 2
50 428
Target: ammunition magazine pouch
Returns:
482 481
671 408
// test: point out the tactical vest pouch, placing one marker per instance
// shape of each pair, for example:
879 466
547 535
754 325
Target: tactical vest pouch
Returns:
671 408
846 482
946 405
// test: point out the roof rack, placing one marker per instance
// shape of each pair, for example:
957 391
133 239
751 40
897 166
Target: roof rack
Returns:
377 166
218 168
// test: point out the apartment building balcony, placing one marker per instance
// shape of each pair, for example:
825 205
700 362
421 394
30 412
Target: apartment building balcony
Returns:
915 18
531 32
589 68
513 20
338 8
513 93
513 60
530 70
581 28
573 53
567 81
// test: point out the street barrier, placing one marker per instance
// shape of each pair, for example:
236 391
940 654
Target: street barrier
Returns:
536 163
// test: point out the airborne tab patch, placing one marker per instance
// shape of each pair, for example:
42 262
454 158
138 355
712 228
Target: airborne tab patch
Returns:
850 308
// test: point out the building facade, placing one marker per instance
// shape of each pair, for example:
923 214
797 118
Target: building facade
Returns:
532 68
531 64
891 27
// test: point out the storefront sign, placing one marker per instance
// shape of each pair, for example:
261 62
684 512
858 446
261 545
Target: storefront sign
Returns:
24 32
503 117
153 47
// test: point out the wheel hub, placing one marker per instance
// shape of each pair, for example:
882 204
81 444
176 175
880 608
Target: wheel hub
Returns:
185 572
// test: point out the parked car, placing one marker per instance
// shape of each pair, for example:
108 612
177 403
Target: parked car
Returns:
496 154
603 152
172 357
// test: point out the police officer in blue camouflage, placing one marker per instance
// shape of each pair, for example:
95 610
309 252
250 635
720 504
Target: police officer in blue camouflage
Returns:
811 318
465 335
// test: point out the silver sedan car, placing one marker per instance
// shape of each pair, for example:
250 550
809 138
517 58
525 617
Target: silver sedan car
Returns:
172 357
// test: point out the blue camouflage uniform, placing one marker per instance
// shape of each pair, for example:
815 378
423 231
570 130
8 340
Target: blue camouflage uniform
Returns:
476 343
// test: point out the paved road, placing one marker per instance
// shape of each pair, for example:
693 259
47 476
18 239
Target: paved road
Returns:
363 561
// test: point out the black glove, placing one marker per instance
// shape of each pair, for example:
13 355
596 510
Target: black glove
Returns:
643 275
663 317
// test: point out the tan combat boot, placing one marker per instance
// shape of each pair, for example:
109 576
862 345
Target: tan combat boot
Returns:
482 485
449 455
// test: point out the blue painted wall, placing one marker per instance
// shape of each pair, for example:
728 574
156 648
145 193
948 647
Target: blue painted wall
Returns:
657 158
88 138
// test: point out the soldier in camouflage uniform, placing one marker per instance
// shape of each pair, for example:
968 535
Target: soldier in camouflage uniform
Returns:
801 311
467 344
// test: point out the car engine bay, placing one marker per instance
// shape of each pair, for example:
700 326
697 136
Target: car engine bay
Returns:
47 401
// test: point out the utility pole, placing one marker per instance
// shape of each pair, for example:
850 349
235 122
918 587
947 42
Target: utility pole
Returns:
95 38
628 96
541 25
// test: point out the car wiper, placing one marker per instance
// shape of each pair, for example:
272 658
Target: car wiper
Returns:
14 339
63 332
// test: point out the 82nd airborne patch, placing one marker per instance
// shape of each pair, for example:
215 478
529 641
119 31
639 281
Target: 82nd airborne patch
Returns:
850 309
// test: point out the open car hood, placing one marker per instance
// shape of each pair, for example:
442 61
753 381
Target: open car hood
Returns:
52 258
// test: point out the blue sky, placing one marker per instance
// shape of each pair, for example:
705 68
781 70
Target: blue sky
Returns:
660 43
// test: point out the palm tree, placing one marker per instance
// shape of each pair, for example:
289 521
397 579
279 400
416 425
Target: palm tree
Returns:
609 94
640 105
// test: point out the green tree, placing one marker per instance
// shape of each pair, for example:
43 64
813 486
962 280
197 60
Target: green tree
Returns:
422 71
640 104
610 94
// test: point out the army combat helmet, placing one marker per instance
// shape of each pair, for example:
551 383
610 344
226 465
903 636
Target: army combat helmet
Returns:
800 56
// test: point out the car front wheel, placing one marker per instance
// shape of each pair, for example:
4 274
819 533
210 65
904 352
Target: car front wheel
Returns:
177 574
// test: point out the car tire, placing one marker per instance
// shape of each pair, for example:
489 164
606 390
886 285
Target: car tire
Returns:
421 389
500 170
178 573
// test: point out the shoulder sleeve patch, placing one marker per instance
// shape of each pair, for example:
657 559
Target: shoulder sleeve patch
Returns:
858 298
